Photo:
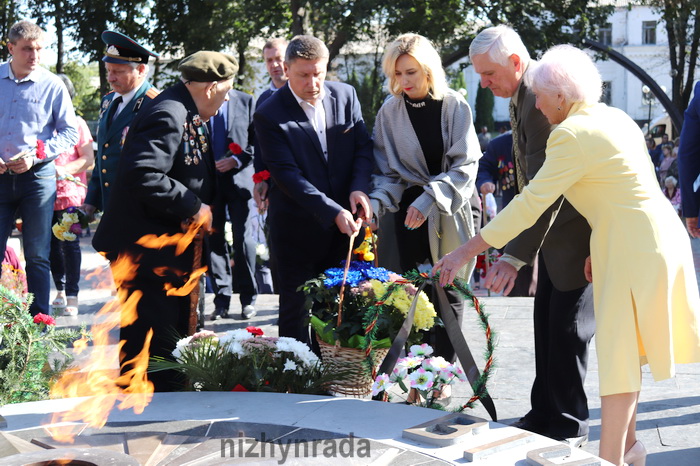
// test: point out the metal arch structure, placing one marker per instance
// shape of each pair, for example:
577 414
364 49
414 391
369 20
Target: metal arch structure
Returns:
675 114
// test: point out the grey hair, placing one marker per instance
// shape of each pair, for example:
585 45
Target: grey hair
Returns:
307 48
569 71
25 30
672 180
427 57
500 42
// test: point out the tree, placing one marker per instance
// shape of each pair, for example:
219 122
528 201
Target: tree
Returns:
9 15
90 18
683 30
483 109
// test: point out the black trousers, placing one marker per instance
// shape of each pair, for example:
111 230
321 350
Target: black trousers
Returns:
166 316
241 278
323 251
414 250
564 326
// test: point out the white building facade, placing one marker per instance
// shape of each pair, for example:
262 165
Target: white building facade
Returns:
639 34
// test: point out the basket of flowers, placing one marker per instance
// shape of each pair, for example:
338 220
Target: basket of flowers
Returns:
356 312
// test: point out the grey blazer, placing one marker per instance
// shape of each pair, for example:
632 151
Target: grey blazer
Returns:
561 234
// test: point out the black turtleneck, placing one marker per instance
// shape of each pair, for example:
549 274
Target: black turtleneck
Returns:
426 118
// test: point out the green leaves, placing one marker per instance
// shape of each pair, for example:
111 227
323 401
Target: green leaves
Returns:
25 347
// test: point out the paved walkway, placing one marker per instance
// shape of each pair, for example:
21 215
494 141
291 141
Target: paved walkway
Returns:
669 411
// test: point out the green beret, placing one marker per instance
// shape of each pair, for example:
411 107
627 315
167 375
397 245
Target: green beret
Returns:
205 66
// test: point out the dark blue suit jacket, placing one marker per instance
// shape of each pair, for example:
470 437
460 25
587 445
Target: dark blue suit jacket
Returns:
308 191
496 166
689 157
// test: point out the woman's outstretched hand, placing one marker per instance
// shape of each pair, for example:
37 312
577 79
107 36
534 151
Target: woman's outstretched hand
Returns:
450 265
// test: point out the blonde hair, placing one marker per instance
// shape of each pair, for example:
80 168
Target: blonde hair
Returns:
427 57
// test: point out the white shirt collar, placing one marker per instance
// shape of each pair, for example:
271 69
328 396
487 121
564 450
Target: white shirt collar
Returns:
301 101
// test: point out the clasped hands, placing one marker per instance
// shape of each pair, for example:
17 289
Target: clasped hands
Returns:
360 205
19 165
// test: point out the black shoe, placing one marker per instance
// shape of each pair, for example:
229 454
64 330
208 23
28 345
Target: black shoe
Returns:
526 424
219 313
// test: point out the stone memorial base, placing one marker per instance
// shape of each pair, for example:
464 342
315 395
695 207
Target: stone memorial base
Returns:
210 428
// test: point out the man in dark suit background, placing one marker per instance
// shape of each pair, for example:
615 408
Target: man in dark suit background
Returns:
234 176
127 68
315 144
563 312
496 168
689 165
164 186
273 54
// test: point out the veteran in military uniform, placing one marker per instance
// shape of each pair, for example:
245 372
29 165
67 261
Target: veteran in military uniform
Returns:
165 180
127 69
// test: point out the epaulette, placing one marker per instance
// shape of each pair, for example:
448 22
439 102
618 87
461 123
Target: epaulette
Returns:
152 92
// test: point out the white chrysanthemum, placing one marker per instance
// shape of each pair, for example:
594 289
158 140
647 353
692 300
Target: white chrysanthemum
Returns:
299 349
234 335
180 347
235 347
289 365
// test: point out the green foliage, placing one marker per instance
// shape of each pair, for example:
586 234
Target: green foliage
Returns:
483 109
370 93
25 347
87 98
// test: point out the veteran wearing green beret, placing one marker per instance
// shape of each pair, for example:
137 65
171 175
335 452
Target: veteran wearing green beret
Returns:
165 182
126 63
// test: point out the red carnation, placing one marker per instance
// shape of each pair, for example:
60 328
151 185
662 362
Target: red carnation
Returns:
44 319
261 176
235 148
255 331
40 152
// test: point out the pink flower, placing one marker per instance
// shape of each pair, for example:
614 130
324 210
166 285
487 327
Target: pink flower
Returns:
44 319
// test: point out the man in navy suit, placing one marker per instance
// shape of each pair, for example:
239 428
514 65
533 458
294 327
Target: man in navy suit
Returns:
689 165
234 188
273 54
315 144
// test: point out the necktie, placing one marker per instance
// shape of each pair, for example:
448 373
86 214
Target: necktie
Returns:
218 135
519 175
113 109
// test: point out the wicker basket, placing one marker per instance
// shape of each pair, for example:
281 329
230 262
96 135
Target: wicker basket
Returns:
349 363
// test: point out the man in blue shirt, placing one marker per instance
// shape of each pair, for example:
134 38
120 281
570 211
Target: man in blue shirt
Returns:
38 124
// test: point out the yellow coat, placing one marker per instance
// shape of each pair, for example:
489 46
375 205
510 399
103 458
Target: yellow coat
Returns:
645 290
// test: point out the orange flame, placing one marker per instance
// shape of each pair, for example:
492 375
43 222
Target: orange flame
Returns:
105 386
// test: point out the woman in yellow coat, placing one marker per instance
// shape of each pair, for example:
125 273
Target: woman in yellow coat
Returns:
644 284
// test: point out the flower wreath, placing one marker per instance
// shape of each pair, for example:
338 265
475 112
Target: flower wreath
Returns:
420 280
